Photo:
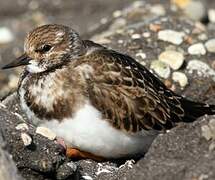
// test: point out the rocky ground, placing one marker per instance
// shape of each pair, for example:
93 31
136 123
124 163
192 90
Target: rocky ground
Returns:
176 41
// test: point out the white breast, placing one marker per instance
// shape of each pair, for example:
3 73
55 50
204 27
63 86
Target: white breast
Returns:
87 131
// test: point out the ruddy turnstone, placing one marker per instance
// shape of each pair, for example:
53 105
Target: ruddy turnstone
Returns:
101 102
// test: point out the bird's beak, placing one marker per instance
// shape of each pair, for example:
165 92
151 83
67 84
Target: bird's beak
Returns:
20 61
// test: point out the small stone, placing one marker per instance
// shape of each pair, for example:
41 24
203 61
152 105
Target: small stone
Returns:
27 140
212 126
155 27
66 170
195 10
146 34
201 68
22 127
211 15
135 36
181 78
210 45
46 132
141 54
173 58
212 146
6 35
104 20
161 68
158 9
117 13
171 36
202 37
86 177
2 105
197 49
206 132
118 24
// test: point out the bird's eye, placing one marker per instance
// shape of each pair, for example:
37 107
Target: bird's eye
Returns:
44 48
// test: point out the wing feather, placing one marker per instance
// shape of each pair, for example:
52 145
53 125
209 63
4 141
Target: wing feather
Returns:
130 97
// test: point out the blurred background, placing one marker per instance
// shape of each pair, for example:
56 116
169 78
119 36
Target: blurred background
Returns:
88 17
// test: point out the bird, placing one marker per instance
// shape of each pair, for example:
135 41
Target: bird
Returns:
102 103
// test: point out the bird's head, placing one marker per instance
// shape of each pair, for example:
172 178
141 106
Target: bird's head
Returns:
48 47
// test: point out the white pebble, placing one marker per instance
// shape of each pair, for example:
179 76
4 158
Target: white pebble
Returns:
158 9
173 58
27 140
171 36
161 68
117 13
181 78
22 127
146 34
210 45
6 35
197 49
2 105
201 68
208 131
141 54
46 132
195 10
135 36
211 15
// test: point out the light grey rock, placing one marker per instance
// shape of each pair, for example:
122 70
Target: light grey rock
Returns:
181 78
182 153
161 68
171 36
210 45
173 58
197 49
6 35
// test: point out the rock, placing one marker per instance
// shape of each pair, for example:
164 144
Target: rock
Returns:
6 35
158 9
171 36
195 10
197 49
8 170
201 68
38 159
181 78
46 132
135 36
67 170
208 131
211 15
22 127
210 45
173 58
142 55
181 153
160 68
26 138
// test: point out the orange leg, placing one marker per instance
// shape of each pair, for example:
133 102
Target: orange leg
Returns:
77 154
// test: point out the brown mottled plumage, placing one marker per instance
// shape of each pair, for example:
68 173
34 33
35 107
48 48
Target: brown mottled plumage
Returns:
63 72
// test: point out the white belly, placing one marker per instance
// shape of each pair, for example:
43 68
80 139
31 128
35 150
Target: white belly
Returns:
88 132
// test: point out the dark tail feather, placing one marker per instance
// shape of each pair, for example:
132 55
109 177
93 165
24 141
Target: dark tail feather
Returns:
193 110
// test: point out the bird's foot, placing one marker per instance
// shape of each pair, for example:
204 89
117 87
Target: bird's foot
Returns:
74 153
77 154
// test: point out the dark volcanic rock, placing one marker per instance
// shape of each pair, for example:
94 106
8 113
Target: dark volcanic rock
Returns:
8 170
42 158
182 153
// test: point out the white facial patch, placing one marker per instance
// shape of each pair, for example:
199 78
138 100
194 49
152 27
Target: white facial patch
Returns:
33 67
